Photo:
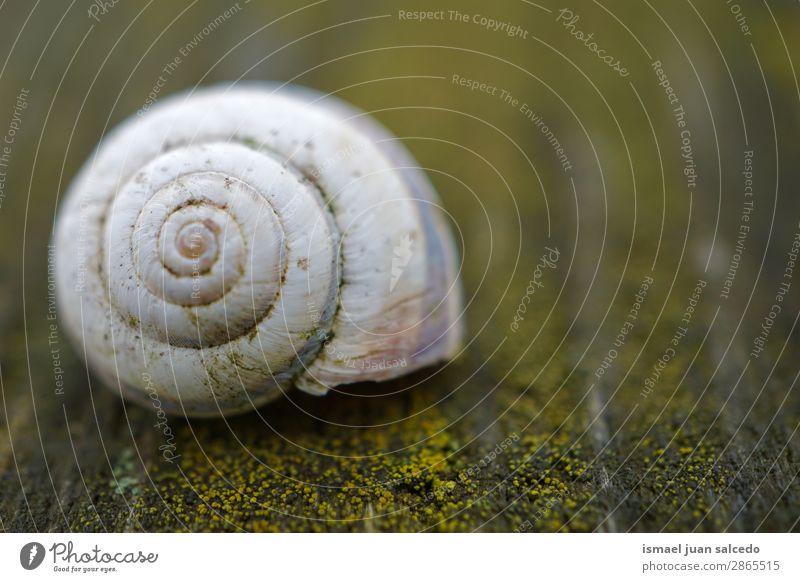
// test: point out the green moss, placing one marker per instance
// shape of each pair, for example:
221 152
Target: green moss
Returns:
423 459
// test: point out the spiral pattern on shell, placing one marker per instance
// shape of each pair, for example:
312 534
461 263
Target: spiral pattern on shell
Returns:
233 243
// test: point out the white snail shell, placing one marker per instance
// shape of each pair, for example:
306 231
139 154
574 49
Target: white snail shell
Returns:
232 243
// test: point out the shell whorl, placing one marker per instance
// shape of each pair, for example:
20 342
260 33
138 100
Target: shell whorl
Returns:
206 230
231 244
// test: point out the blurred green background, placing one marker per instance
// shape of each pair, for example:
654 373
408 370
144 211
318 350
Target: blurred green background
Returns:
712 447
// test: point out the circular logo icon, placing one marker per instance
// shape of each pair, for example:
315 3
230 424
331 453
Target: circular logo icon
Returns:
31 555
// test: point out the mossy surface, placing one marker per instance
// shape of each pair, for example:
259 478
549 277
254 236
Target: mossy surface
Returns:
515 448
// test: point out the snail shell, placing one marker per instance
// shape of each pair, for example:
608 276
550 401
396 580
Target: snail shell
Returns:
229 244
